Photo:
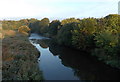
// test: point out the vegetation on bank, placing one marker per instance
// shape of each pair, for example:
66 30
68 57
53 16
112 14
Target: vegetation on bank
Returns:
99 36
19 59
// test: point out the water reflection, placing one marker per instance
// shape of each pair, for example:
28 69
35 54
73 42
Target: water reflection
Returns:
83 65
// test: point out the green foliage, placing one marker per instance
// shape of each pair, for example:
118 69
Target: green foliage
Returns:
84 33
65 34
88 25
39 26
69 20
101 25
53 27
106 38
44 24
89 34
112 20
78 40
34 26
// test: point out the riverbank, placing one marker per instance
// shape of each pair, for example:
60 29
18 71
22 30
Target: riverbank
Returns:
19 59
99 53
99 37
64 63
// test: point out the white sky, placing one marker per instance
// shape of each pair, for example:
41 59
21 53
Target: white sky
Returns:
17 9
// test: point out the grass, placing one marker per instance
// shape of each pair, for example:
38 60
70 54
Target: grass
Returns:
19 59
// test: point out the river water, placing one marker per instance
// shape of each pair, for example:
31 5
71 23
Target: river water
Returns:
62 63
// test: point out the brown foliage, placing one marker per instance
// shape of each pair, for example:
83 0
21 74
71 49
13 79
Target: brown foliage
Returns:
24 29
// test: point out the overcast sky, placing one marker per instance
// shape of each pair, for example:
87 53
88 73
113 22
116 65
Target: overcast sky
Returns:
56 9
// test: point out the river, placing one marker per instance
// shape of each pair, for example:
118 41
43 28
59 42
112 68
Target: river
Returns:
63 63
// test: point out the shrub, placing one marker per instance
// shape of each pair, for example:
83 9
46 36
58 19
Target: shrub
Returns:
24 29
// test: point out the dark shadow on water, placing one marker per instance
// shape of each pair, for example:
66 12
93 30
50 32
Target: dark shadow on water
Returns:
84 66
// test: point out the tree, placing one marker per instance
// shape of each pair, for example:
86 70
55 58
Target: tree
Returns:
44 24
69 20
34 27
54 27
65 34
83 34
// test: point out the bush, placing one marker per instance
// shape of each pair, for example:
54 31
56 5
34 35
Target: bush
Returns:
24 29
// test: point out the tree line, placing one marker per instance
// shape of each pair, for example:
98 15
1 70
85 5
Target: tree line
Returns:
100 36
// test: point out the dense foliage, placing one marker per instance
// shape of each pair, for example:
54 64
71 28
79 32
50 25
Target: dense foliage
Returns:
83 34
19 59
99 36
54 27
